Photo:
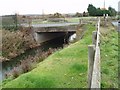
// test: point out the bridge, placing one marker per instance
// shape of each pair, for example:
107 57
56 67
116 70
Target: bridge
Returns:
57 27
46 32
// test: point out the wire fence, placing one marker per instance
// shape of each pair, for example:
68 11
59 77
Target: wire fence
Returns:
14 22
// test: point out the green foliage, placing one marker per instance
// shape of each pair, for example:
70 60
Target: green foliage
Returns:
99 12
64 69
93 11
112 11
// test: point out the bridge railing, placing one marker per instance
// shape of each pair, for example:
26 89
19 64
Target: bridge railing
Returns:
94 76
55 29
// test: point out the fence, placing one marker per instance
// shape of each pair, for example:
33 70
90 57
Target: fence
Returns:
94 76
13 22
9 22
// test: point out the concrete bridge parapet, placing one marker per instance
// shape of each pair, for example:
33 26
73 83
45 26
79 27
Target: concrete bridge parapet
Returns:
46 33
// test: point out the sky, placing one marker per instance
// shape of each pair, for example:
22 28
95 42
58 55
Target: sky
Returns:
8 7
119 6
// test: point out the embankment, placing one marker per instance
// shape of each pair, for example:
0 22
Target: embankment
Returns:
65 68
109 56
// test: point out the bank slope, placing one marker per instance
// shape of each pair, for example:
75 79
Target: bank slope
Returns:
109 57
66 68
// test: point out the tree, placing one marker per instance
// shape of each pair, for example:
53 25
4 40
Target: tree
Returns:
99 12
112 11
92 10
78 14
84 14
58 15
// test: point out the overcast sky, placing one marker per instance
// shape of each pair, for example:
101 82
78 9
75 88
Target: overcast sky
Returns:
51 6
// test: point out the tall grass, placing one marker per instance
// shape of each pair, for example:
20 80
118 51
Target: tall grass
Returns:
28 64
109 57
15 43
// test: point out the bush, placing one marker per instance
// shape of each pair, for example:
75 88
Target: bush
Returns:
15 43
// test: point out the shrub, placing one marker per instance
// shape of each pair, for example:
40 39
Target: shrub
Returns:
15 43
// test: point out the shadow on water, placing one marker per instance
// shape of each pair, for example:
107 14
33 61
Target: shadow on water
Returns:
55 43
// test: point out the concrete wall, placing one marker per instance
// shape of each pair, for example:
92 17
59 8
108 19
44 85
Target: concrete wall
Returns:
46 36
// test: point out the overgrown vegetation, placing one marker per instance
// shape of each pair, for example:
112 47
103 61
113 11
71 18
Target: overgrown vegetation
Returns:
64 69
28 63
15 43
109 57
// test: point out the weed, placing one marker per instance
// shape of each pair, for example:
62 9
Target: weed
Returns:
15 73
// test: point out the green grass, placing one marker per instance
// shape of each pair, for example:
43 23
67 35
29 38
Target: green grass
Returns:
64 69
109 58
44 22
76 19
72 20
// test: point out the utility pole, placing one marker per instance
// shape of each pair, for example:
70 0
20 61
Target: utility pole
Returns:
104 15
43 14
104 8
104 4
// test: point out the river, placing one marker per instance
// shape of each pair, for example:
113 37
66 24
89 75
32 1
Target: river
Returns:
9 65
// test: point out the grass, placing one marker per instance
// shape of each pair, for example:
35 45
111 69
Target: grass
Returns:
109 57
44 22
76 19
66 68
72 20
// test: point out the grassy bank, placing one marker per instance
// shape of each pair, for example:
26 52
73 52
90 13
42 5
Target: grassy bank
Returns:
15 42
66 68
109 57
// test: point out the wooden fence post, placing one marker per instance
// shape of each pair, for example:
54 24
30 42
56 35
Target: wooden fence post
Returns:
91 53
96 75
80 21
96 80
94 37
